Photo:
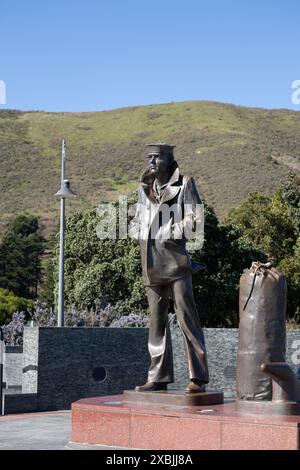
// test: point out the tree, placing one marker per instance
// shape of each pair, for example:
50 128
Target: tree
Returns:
20 256
272 224
101 271
227 254
47 286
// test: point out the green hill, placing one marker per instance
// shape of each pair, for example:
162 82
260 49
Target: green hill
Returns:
231 151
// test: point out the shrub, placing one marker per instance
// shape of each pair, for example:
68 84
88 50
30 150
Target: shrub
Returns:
10 303
131 320
13 331
103 316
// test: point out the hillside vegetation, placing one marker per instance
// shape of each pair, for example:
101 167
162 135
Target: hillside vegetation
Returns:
230 150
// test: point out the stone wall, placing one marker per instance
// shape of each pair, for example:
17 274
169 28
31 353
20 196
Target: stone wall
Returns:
62 365
13 365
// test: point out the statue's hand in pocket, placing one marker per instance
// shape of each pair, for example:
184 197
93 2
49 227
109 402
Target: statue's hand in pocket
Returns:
165 232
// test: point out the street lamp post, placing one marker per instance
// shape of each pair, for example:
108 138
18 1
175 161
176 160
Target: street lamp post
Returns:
63 193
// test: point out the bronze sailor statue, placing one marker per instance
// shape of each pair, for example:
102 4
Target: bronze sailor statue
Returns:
167 216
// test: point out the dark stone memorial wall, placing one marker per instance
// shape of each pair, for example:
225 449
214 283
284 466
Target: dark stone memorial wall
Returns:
62 365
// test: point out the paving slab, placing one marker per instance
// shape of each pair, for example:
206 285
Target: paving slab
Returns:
41 431
35 431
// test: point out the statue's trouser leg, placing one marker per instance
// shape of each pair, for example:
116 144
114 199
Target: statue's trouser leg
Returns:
189 322
159 344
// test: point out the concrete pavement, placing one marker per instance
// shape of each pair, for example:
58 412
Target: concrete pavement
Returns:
35 431
40 431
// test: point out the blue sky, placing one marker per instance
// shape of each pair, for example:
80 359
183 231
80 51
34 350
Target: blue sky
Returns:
75 55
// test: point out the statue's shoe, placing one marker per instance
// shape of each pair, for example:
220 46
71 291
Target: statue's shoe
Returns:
195 387
151 387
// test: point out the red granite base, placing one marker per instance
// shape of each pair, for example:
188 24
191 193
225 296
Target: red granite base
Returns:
111 421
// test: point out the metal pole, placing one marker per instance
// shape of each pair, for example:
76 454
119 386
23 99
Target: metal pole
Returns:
63 159
1 369
63 193
60 319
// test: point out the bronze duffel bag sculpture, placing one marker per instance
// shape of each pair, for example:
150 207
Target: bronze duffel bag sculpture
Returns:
262 329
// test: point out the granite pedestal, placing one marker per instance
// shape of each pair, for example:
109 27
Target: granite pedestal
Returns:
114 422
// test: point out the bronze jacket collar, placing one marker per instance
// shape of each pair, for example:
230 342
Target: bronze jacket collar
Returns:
170 191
